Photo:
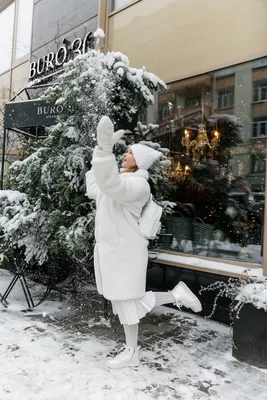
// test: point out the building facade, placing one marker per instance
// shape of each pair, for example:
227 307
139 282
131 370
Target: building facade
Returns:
16 32
36 34
212 117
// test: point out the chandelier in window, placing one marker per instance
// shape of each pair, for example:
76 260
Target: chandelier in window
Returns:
177 172
201 148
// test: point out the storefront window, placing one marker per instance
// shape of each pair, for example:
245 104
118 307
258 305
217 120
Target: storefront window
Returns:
6 35
24 28
215 126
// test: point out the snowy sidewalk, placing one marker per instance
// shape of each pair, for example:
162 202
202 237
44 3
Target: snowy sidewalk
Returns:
59 354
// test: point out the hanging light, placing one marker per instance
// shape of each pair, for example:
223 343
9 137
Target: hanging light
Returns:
201 147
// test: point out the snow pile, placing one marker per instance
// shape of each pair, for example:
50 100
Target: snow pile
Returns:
17 219
99 33
15 211
254 293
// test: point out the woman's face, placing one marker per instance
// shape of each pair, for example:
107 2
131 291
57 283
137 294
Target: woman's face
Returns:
128 160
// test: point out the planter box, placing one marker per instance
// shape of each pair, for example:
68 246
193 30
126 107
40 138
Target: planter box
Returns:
250 336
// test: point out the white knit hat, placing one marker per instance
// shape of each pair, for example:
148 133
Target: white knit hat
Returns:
144 155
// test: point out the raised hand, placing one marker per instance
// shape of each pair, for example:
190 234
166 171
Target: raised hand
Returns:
106 137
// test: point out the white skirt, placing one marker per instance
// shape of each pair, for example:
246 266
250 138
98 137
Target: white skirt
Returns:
131 311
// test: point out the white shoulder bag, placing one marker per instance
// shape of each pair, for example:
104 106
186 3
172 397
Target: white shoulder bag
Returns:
149 221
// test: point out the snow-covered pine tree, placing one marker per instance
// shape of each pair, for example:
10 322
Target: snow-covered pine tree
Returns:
45 211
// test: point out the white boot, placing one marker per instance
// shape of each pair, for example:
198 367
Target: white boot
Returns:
184 297
129 357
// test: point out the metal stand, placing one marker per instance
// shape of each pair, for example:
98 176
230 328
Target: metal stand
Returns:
19 275
3 159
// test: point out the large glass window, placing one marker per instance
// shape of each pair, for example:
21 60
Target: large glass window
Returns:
216 132
116 4
6 37
24 28
21 28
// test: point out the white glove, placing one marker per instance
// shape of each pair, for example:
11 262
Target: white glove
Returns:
106 137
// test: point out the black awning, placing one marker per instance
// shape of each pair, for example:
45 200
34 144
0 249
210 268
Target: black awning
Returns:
30 113
28 117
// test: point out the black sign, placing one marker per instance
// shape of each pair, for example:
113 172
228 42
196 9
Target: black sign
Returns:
23 114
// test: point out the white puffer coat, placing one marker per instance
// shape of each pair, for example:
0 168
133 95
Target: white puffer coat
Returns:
121 254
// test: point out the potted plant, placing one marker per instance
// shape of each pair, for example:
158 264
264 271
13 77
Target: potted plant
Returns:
248 310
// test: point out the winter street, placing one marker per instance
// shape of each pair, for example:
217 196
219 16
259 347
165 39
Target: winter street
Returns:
58 352
133 229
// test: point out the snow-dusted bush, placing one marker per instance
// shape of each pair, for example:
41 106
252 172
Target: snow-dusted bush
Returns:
252 290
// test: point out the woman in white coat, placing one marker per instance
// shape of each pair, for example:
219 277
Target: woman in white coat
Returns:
121 251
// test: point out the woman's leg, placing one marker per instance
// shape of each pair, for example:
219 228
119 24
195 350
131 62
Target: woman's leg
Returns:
163 298
180 295
131 335
131 331
129 357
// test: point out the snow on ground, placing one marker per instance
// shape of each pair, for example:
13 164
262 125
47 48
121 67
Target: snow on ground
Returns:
60 355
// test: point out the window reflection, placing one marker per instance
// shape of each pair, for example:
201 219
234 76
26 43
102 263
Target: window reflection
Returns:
6 35
225 98
116 4
24 28
260 92
215 126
